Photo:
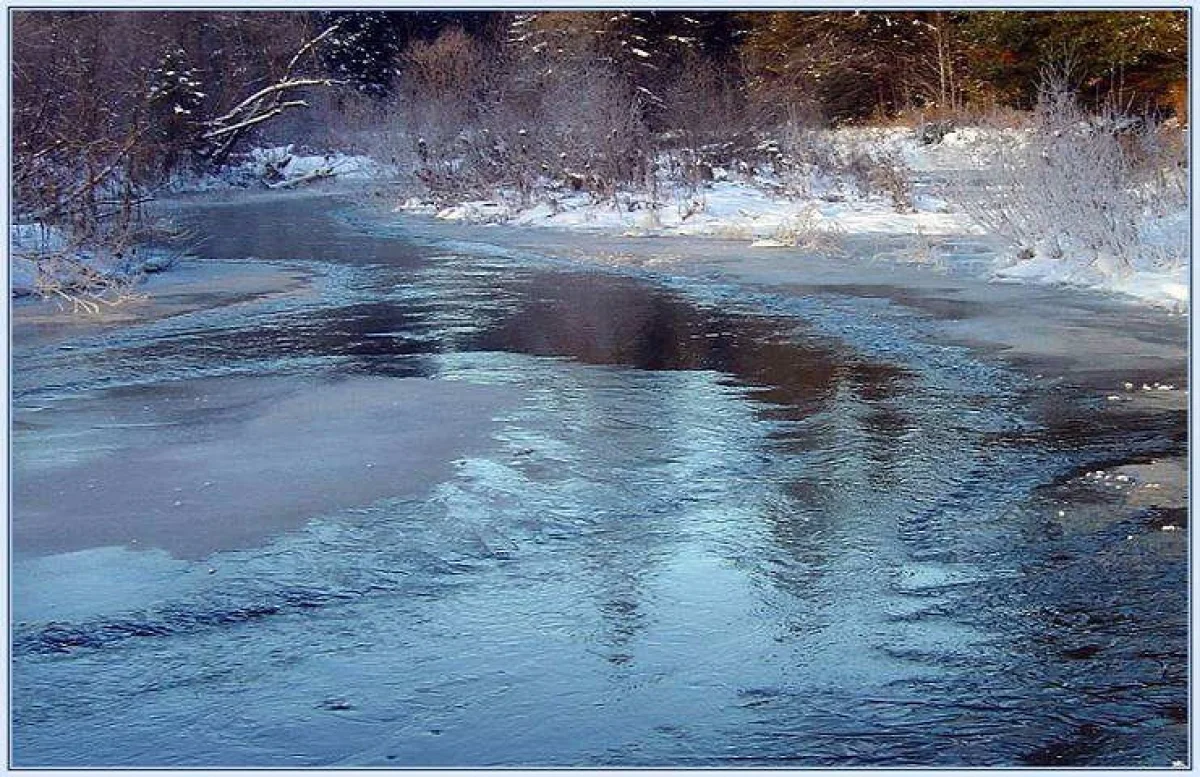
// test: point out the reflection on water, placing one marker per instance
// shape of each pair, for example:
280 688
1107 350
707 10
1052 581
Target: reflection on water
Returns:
705 537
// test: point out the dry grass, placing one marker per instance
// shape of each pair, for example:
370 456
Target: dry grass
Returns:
809 231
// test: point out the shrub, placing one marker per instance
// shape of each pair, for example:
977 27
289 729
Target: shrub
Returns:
809 231
1080 187
881 171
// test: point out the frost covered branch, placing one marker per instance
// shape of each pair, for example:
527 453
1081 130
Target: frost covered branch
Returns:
258 119
1079 188
223 132
244 105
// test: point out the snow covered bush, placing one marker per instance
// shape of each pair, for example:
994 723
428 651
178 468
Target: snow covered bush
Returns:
834 164
1083 189
809 231
51 263
880 170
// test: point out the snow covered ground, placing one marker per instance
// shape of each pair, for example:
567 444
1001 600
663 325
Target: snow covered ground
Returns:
33 265
756 209
761 208
765 210
1164 286
727 209
282 167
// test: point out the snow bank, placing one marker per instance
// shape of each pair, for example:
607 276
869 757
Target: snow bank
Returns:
1159 276
766 213
759 207
1164 288
725 209
32 249
282 167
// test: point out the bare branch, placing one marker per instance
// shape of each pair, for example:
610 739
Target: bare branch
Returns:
294 83
309 47
93 180
270 114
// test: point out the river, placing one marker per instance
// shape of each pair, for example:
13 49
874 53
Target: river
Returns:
430 498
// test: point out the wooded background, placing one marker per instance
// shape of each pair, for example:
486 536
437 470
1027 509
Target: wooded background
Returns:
108 105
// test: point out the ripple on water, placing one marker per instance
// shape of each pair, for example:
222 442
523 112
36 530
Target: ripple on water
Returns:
720 527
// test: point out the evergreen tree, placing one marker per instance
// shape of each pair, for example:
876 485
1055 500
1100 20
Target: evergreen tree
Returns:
1133 57
366 51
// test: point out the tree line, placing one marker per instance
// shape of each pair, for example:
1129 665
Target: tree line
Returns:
107 105
843 65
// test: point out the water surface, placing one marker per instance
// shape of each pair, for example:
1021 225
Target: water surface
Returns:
469 508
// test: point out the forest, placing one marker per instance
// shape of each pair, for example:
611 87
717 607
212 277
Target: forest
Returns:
111 109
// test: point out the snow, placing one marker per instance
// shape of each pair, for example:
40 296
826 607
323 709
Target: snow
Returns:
28 242
1162 287
25 240
771 212
725 209
757 210
287 166
1153 277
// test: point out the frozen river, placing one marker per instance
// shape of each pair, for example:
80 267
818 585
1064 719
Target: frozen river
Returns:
441 505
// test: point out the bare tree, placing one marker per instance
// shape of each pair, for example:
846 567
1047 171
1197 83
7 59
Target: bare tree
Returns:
108 105
223 132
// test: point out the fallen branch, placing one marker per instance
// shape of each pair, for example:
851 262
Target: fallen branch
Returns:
315 175
65 278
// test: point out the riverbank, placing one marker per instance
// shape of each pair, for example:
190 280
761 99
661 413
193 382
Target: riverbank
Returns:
187 287
931 202
923 217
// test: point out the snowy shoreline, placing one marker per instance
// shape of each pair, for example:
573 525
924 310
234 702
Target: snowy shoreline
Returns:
756 206
820 220
821 228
